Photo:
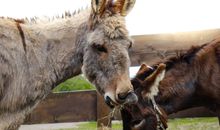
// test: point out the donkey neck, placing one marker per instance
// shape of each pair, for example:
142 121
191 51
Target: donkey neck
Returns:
60 44
177 87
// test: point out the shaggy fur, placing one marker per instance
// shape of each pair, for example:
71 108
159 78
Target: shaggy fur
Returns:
192 79
36 57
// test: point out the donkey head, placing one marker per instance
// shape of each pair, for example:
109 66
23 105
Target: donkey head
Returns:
142 115
106 61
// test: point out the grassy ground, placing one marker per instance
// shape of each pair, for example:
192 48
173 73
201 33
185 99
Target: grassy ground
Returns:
194 124
174 124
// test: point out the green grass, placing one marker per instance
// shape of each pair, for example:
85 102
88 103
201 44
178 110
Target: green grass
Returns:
93 126
84 126
194 124
75 83
210 123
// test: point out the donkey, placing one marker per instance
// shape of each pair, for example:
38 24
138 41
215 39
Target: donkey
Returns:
37 56
191 79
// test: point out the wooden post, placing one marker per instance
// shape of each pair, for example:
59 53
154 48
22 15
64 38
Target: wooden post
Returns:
103 114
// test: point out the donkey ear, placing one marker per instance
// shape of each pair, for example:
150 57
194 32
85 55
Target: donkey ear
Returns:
142 69
123 6
151 83
157 74
116 6
98 6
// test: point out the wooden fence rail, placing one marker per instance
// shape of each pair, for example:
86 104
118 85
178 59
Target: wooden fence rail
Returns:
88 106
66 107
151 48
80 106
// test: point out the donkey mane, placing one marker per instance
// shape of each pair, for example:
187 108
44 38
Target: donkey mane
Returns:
34 20
181 56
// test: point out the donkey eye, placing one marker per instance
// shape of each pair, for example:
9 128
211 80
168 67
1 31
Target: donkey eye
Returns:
100 48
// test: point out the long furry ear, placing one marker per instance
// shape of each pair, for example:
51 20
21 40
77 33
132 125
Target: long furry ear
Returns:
98 9
139 77
144 72
124 6
151 83
98 6
143 69
116 6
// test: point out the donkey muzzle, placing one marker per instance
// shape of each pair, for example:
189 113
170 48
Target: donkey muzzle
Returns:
131 98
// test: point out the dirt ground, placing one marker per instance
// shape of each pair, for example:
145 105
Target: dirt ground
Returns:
55 126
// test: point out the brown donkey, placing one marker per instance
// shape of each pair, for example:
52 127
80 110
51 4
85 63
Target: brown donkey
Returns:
36 56
189 80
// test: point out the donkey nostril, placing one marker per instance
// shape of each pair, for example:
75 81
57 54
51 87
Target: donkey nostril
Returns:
122 96
109 102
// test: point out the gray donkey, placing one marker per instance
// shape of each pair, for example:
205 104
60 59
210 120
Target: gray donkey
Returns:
37 56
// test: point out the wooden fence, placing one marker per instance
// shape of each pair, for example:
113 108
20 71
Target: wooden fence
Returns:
80 106
88 106
151 48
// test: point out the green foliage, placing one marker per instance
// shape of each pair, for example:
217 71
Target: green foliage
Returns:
75 83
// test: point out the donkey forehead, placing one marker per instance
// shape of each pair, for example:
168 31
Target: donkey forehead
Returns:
103 35
114 27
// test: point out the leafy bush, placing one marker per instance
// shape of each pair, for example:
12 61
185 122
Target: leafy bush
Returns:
75 83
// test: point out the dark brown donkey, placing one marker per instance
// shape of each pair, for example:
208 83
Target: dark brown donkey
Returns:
189 80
